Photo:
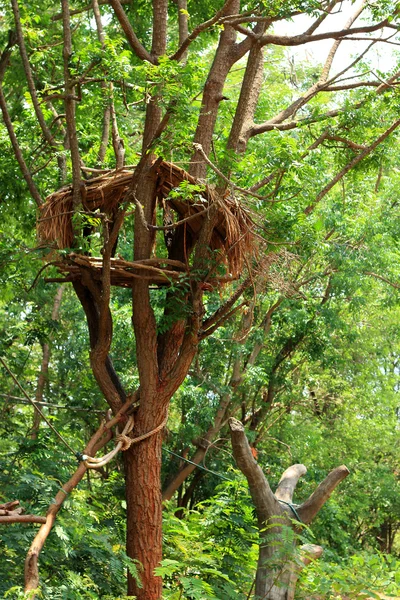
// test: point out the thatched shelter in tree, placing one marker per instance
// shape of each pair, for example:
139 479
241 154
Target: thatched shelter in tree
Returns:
186 207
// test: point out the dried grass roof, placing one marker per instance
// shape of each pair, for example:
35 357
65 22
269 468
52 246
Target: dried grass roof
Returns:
233 233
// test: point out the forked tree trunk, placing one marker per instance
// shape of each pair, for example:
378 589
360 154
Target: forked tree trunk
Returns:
277 574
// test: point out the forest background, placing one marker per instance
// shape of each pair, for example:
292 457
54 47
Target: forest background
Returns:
275 301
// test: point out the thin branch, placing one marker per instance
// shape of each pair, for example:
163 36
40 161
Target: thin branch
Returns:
276 122
70 107
199 148
352 86
225 317
321 18
17 151
107 110
264 127
336 44
298 40
117 141
19 400
29 78
88 7
281 172
178 223
317 87
4 60
180 53
347 142
350 165
395 285
227 306
368 39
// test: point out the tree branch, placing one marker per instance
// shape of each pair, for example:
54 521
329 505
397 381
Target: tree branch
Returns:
4 60
131 36
264 500
358 84
308 553
249 94
29 78
207 332
22 519
89 296
225 56
9 513
181 52
395 285
288 482
97 441
297 40
281 172
317 87
313 505
350 165
321 18
347 142
199 149
69 104
227 306
107 110
183 25
44 368
88 7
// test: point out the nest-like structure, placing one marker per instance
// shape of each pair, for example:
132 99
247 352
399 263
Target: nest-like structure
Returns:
233 233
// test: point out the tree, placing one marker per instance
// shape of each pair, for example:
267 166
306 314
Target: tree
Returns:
180 236
276 572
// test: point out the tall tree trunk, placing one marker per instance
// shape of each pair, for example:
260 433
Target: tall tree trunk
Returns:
144 515
143 460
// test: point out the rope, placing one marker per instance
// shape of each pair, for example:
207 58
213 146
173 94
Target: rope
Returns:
123 443
292 508
190 462
149 433
94 463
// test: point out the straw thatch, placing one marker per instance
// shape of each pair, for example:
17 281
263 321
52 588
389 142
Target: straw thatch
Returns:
233 233
105 193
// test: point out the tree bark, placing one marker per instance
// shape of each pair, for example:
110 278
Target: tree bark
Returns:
212 95
144 515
